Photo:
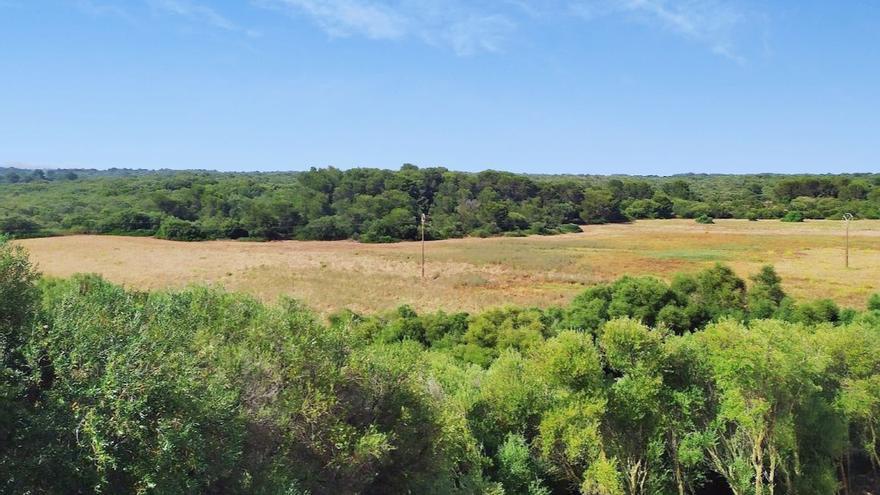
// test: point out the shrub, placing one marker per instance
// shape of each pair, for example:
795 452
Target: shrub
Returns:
641 298
146 408
129 222
642 208
499 329
793 216
705 219
175 229
690 209
327 229
398 224
222 228
18 298
21 426
874 302
537 228
18 226
765 294
815 312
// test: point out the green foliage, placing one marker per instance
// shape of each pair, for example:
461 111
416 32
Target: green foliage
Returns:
383 206
601 206
793 216
129 222
517 470
149 416
641 298
569 360
202 391
496 330
874 302
690 302
19 423
18 226
765 294
705 219
763 376
570 228
18 295
815 312
713 293
329 228
175 229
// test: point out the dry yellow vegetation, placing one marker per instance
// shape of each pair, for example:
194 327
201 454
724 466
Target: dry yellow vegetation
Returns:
470 274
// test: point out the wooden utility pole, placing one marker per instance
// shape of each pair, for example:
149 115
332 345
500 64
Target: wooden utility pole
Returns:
423 245
847 217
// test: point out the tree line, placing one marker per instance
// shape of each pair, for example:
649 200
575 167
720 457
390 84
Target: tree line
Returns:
707 384
373 205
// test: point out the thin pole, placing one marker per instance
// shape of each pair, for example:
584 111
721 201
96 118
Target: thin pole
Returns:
847 217
423 245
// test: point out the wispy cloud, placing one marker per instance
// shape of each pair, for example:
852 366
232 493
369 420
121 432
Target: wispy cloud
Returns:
465 27
202 13
710 22
479 34
486 26
351 17
102 8
468 27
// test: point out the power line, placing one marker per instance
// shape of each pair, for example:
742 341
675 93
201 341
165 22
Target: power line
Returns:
847 217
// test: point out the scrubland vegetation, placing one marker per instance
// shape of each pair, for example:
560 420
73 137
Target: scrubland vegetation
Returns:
705 384
374 205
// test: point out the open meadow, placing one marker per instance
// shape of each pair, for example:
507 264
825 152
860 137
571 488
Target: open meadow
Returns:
471 274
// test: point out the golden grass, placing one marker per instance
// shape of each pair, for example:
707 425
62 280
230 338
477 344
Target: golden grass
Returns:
470 274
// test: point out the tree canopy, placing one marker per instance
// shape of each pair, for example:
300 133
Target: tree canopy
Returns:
374 205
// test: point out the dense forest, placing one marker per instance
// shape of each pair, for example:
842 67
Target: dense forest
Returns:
710 384
373 205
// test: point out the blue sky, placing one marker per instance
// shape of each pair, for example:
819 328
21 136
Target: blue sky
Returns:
561 86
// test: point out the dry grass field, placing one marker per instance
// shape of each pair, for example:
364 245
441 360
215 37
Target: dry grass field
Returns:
469 274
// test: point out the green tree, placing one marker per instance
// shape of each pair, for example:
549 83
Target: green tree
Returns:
632 425
491 332
600 206
21 425
765 293
761 376
175 229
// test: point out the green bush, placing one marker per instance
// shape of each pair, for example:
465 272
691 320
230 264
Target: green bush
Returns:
18 226
793 216
175 229
129 222
705 219
327 229
874 302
